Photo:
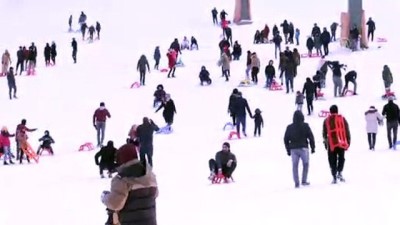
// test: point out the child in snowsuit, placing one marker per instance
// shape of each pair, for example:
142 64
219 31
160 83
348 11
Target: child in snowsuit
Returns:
159 95
299 101
258 122
46 140
107 159
5 144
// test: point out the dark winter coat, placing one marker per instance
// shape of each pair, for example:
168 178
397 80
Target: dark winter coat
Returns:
143 64
334 27
107 155
46 140
351 76
176 46
310 43
237 50
159 94
316 31
354 33
336 68
132 197
325 38
222 157
270 71
100 115
53 50
392 112
232 102
98 27
47 52
258 119
224 44
309 89
240 106
20 55
11 79
298 134
387 75
74 45
91 30
204 75
145 133
277 39
157 54
290 69
228 32
371 25
32 52
169 109
285 27
274 30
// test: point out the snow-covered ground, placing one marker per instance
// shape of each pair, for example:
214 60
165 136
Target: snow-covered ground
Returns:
66 188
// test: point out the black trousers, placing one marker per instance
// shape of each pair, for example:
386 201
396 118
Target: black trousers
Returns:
310 107
215 20
326 49
172 72
12 88
233 119
391 127
41 147
226 171
254 74
142 77
146 152
74 55
257 129
157 64
371 34
371 140
110 168
20 63
21 157
336 160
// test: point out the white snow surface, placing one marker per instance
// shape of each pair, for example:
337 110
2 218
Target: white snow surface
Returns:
65 189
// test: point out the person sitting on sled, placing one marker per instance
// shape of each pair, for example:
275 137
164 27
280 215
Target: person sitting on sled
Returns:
224 163
46 140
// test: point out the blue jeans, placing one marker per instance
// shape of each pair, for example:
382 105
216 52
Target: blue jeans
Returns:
297 154
101 128
241 120
7 153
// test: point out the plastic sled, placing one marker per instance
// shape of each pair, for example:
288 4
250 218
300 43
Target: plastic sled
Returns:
30 153
381 40
228 125
246 83
313 55
217 180
275 86
348 93
324 113
164 70
165 130
45 150
135 85
88 146
31 72
320 94
232 134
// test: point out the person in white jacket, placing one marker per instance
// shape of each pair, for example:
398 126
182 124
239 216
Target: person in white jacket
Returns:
373 118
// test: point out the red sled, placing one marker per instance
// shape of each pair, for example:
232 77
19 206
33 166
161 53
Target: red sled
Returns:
218 179
275 86
86 146
324 113
31 72
233 133
348 93
381 40
320 94
135 85
164 70
313 55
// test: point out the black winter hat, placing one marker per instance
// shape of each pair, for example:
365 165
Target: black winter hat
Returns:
227 145
102 104
235 91
334 109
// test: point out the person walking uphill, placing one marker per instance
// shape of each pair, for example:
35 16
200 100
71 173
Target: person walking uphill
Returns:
297 137
239 109
12 86
99 122
144 133
169 109
141 67
336 135
133 193
373 119
392 113
310 90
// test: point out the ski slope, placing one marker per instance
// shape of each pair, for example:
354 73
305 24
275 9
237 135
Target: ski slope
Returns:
65 189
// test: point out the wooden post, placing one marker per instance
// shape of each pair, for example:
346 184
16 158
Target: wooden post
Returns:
242 12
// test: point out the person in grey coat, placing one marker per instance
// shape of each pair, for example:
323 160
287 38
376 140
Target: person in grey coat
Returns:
298 137
336 68
145 133
225 63
141 67
373 118
318 44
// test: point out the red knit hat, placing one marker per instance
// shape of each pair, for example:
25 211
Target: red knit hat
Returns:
126 153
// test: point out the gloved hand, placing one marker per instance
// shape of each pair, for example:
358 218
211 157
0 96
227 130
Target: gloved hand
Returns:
94 126
288 152
229 163
312 151
103 195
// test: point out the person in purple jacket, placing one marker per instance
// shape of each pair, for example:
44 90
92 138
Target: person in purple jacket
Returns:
99 122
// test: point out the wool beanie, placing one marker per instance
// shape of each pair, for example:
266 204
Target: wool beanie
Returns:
227 145
126 153
334 109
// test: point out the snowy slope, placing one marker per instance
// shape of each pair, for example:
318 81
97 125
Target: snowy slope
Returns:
65 189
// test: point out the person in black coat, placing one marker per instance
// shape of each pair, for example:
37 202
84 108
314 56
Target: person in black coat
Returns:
310 90
310 45
315 31
237 51
371 28
107 159
214 14
351 76
325 40
74 45
144 134
285 29
159 95
84 26
53 53
224 163
91 32
47 141
392 113
169 109
142 65
157 57
223 15
232 101
47 54
224 44
317 80
204 76
298 136
270 73
228 33
98 29
240 107
11 83
258 122
193 43
176 46
20 60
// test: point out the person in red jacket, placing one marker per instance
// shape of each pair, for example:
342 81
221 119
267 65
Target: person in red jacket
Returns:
172 57
99 122
6 145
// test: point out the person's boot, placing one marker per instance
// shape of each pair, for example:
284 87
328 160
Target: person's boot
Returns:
340 177
5 163
11 162
102 176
